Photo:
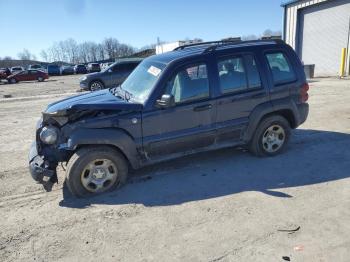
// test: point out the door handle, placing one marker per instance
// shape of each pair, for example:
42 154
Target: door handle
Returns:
202 108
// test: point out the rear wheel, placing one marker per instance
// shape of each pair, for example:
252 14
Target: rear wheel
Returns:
95 170
271 136
40 79
96 85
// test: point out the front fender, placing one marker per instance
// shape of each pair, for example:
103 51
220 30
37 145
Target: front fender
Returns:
106 136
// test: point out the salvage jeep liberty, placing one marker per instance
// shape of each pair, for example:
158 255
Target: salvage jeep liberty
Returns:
196 98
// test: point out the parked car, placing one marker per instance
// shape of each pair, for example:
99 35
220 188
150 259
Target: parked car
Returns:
93 67
67 70
105 65
112 76
53 70
4 73
28 75
36 66
80 69
16 69
196 98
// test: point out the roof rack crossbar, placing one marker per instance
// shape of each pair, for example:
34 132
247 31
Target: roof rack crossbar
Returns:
197 44
233 43
214 44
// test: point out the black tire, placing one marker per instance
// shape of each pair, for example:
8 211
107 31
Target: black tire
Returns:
40 79
12 81
96 85
257 146
81 159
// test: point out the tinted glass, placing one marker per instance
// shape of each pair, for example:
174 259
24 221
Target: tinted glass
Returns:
280 68
232 75
189 84
124 67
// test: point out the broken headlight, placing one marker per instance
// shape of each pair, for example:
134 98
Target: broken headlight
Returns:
49 135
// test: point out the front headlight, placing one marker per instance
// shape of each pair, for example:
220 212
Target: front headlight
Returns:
83 78
49 135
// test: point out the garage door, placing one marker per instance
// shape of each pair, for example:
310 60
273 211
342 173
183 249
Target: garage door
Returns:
323 32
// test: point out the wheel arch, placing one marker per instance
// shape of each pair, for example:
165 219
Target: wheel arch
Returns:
266 110
97 80
115 138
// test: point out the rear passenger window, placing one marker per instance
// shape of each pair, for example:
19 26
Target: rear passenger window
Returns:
281 70
232 75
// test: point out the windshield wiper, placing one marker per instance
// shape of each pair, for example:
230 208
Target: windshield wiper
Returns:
117 92
127 95
121 93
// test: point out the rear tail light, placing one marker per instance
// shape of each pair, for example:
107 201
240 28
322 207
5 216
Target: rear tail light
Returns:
303 93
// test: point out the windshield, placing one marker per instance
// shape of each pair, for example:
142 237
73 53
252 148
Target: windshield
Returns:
108 67
141 81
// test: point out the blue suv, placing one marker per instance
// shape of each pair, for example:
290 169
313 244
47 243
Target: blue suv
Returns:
196 98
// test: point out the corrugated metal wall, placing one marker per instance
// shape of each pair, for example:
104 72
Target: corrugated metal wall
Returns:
291 19
323 32
292 32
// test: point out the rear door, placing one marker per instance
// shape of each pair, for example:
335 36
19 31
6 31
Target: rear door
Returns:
22 76
241 90
32 75
187 126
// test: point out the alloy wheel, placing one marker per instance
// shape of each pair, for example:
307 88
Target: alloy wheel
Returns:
96 86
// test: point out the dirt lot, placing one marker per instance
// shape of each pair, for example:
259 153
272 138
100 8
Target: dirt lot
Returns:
220 206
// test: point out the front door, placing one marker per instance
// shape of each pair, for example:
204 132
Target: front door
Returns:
187 126
32 75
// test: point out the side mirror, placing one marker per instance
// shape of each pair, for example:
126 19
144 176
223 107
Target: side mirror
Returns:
166 101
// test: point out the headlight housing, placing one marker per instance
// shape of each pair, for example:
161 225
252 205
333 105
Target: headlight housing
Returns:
49 135
83 78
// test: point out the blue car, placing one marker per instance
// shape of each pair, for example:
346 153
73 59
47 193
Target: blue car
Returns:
197 98
53 70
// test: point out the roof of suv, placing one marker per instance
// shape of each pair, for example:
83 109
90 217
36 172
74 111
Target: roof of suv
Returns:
204 47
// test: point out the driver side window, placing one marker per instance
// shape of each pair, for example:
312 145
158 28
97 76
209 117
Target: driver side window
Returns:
189 84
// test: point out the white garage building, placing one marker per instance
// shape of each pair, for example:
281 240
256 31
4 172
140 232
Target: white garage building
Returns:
318 30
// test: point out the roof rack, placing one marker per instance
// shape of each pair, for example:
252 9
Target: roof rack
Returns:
214 44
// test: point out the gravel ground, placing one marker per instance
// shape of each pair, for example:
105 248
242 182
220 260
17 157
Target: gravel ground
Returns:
220 206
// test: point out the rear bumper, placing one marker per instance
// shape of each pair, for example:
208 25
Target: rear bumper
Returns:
303 110
38 167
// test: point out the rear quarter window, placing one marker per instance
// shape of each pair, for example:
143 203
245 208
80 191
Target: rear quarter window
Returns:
281 69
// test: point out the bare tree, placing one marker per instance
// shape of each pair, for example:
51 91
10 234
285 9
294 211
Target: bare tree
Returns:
26 55
269 33
44 55
249 37
111 46
70 51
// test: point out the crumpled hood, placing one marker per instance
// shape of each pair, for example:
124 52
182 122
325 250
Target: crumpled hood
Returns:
99 100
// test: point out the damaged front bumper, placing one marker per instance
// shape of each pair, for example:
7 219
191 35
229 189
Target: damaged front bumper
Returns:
39 168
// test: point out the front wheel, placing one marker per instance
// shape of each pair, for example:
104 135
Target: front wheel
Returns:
95 170
96 85
271 137
40 79
12 81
